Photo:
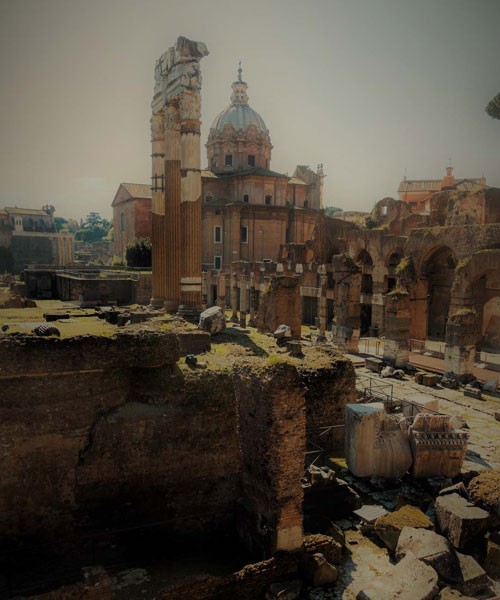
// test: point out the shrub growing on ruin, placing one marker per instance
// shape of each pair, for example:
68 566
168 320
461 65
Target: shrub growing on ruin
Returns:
493 107
139 253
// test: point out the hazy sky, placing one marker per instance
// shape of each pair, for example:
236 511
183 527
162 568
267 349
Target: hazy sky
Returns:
369 88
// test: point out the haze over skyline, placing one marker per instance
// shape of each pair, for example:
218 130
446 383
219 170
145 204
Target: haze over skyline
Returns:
369 88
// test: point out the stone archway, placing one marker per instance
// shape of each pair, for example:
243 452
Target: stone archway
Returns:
439 270
365 263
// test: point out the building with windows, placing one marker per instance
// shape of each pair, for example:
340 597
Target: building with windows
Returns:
416 192
131 216
248 210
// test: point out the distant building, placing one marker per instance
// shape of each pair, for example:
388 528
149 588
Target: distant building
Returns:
32 238
248 210
415 192
131 215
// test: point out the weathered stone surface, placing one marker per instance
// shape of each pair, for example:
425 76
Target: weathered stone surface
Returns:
376 443
490 386
286 590
470 577
448 593
373 364
317 570
281 303
484 490
459 520
389 527
437 448
283 331
433 549
430 379
472 392
327 545
492 564
411 579
29 354
213 320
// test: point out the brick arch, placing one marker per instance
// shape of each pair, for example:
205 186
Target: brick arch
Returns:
395 250
468 272
429 253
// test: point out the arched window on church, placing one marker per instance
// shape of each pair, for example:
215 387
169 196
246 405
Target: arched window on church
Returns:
122 221
269 200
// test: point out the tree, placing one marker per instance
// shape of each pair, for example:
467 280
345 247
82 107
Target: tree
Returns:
59 222
138 253
331 210
493 107
93 228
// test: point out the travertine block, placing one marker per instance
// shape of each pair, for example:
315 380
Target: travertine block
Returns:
375 443
460 520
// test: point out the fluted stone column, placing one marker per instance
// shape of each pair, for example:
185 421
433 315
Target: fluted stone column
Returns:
176 212
172 219
234 297
243 300
190 113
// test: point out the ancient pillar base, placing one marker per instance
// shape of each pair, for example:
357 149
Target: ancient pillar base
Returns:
459 360
396 353
171 306
188 312
234 318
243 319
157 302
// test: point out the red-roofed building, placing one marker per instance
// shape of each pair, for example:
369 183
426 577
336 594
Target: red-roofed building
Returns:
415 192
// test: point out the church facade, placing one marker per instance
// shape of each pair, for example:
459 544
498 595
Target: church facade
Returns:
248 210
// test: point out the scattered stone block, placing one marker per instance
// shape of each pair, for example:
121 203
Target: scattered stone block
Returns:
472 392
449 382
374 364
285 590
294 348
283 331
470 577
428 546
325 545
389 527
418 377
460 520
430 379
458 488
448 593
420 403
370 512
497 415
438 449
492 563
411 579
317 570
46 330
484 490
376 443
491 386
213 320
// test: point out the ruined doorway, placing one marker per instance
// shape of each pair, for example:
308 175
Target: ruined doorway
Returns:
309 310
484 292
440 271
366 319
213 295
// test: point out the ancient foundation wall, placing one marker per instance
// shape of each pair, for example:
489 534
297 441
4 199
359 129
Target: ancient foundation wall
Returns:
327 393
111 431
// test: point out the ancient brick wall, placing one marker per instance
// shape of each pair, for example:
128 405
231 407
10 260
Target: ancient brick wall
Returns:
272 442
111 429
281 304
327 393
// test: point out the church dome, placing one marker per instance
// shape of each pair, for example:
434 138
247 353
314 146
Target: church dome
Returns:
238 138
240 116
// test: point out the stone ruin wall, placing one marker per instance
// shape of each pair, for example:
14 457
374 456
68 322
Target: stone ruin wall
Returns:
111 430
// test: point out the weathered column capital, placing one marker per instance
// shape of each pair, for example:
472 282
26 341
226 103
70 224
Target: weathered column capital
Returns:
172 117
